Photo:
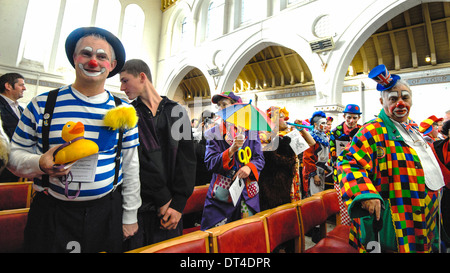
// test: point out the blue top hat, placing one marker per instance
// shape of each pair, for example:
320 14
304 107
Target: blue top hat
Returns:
381 75
352 109
116 44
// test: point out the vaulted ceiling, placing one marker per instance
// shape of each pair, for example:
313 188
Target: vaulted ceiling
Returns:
165 4
417 38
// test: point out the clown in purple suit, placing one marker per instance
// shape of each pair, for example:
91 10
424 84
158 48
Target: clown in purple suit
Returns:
221 157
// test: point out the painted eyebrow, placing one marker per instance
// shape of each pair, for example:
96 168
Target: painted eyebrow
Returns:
395 94
88 48
405 93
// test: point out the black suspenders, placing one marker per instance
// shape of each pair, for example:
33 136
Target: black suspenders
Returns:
48 114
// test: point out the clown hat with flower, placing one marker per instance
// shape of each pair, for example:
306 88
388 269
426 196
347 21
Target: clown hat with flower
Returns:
426 126
381 75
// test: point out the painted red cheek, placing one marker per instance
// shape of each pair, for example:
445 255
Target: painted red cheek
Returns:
79 59
391 108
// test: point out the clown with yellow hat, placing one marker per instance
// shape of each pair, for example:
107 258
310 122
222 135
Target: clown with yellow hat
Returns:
429 128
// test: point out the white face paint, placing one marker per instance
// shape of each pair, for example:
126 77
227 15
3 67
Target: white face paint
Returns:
91 74
400 110
89 50
321 124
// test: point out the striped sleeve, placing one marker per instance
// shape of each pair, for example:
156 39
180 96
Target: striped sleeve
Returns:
27 142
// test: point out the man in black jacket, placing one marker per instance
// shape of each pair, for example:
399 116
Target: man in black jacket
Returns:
12 86
166 155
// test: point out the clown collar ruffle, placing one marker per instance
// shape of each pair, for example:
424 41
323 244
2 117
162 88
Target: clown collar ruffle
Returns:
320 137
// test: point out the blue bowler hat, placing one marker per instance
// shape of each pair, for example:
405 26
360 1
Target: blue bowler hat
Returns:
352 109
381 75
116 44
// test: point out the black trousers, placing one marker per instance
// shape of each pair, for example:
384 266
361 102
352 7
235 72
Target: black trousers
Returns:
56 226
150 232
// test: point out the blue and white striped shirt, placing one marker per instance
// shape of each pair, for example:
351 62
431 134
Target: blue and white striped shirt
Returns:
73 106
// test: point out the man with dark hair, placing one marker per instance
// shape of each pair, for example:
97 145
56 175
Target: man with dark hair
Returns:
166 155
136 67
12 86
339 138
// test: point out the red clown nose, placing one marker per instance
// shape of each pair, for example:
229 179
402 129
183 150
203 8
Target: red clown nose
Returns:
93 63
401 104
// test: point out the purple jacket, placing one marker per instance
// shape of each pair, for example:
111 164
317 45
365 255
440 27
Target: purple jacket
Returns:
218 204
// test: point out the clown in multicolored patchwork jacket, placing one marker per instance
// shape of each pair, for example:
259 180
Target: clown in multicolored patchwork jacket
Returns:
390 177
339 138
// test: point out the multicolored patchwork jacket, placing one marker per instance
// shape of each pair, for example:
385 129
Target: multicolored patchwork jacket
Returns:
379 164
337 134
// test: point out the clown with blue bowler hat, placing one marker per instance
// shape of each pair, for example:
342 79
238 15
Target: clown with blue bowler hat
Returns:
390 178
344 132
78 214
339 138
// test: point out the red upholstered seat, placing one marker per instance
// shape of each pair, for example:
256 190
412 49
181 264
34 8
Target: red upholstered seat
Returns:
246 235
196 201
331 245
195 242
313 213
12 226
15 195
194 207
330 202
283 224
340 232
191 229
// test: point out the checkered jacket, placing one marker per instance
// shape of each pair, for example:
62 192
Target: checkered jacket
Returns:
379 164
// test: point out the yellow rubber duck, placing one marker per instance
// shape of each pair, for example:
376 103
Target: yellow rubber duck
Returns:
76 146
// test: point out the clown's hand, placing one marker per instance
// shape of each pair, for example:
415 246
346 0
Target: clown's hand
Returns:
237 143
372 206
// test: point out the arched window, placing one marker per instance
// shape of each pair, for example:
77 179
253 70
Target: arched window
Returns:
39 31
108 13
49 22
214 19
78 13
179 34
251 10
133 29
183 28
